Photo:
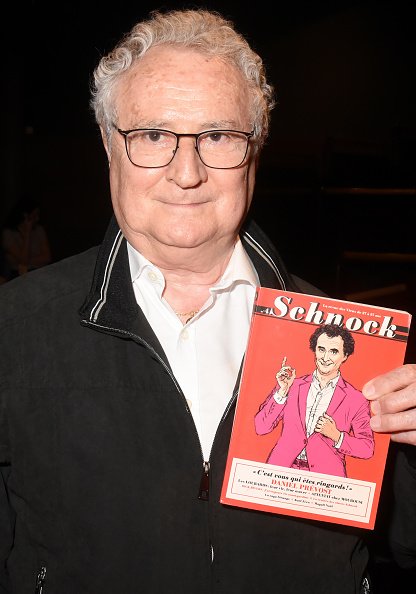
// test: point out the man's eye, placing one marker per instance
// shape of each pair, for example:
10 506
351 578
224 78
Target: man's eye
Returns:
154 135
215 136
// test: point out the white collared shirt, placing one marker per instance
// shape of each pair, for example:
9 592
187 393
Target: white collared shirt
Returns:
206 353
318 400
317 403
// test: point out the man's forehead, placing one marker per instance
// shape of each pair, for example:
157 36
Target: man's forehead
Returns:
170 83
330 340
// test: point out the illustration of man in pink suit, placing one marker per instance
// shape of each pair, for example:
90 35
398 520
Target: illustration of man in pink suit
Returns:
324 418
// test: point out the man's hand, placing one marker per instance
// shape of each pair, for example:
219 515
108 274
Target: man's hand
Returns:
326 426
393 403
285 377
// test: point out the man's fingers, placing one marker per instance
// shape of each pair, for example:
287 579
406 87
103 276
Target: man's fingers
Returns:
405 437
391 381
395 402
394 423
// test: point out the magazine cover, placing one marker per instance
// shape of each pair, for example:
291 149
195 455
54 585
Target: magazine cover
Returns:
301 443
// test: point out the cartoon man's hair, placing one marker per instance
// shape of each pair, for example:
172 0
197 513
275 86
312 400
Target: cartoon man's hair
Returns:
333 330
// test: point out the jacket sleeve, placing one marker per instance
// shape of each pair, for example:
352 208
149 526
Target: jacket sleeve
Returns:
6 528
361 443
402 532
269 414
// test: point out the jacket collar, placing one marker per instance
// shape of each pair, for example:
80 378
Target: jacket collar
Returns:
111 302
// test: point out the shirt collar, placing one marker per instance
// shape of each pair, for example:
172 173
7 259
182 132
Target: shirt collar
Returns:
137 262
331 384
239 268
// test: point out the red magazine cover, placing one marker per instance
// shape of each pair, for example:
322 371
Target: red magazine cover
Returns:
301 442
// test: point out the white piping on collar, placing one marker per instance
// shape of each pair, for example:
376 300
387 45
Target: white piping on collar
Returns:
104 287
116 246
263 254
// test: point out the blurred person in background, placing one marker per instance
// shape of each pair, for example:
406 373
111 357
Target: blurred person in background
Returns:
24 239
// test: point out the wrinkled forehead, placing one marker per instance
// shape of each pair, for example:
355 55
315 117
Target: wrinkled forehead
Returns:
181 82
164 62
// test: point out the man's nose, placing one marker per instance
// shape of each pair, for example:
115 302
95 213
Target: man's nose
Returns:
187 143
186 168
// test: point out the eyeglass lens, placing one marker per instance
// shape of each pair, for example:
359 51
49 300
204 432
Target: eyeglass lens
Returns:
156 148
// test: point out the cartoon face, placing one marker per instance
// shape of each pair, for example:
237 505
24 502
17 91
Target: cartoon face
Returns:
329 355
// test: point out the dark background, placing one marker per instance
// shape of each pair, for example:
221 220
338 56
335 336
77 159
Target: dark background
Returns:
344 73
345 79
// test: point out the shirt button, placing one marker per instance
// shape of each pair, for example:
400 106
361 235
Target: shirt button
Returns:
184 335
152 276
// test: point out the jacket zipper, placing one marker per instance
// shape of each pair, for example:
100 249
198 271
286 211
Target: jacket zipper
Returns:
204 485
40 580
203 493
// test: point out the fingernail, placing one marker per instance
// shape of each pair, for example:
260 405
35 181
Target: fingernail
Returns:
368 390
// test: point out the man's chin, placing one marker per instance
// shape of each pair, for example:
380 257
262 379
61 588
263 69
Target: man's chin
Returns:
325 370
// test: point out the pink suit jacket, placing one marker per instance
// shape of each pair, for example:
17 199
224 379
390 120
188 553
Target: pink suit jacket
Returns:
350 411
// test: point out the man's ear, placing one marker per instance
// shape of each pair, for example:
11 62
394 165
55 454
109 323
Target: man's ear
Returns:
105 143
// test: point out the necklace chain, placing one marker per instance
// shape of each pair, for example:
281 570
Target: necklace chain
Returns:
187 314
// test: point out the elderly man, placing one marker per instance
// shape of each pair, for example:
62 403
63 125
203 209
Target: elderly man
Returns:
119 366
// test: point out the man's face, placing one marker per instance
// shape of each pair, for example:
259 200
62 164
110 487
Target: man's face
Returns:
183 205
329 355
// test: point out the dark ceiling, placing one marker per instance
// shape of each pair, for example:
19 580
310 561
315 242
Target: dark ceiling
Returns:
344 73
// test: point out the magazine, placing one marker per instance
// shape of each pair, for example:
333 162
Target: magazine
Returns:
301 443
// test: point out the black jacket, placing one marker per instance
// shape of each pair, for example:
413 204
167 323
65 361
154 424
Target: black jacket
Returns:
101 462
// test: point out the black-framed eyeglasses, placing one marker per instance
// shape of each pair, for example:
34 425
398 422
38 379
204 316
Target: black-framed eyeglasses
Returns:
154 147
